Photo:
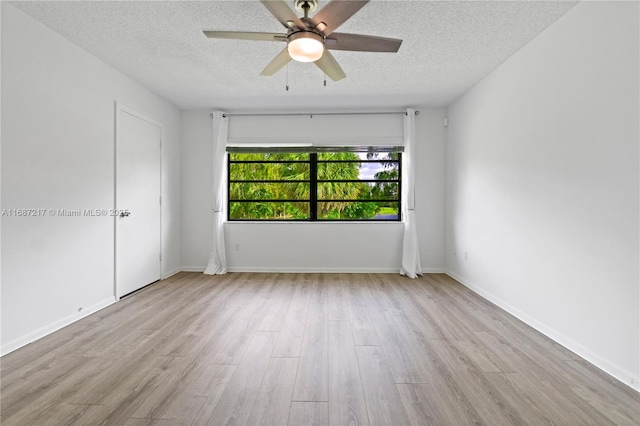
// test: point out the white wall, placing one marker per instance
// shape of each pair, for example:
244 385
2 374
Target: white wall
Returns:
542 186
314 247
58 153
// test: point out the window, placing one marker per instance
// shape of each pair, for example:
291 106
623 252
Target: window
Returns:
326 186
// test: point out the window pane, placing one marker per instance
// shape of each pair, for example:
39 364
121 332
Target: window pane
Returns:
341 156
357 210
269 191
269 171
344 171
287 176
343 191
270 156
269 210
385 191
335 156
382 156
385 169
362 171
358 191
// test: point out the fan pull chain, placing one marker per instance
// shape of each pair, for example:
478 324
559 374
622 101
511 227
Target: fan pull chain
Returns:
325 80
287 86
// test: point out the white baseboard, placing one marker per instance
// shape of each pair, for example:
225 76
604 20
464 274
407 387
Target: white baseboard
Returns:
55 326
433 271
288 269
171 273
192 269
315 270
621 374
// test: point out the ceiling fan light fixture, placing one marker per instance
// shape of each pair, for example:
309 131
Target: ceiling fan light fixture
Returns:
305 46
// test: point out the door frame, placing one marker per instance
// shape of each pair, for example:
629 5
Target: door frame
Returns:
123 109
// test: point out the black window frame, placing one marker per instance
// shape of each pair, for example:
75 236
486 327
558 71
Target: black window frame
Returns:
313 187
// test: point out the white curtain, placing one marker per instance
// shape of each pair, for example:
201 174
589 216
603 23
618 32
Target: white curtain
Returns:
410 251
217 259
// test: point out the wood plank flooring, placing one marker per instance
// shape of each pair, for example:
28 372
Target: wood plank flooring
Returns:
306 349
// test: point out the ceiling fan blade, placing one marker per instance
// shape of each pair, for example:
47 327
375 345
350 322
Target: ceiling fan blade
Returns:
243 35
330 66
336 13
278 62
282 13
362 43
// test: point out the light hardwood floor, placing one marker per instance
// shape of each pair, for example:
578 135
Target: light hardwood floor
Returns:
306 349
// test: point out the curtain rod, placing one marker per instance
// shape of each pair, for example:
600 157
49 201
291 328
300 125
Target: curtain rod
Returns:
311 114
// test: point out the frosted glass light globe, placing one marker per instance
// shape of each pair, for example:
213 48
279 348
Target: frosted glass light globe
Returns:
305 46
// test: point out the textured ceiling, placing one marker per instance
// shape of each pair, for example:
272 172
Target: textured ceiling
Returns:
448 46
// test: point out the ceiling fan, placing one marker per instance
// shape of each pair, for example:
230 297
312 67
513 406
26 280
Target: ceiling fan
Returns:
309 39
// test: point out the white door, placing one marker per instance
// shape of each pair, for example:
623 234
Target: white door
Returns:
138 203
